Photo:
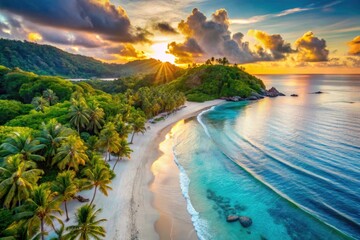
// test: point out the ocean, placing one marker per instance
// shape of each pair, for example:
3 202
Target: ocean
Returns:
291 164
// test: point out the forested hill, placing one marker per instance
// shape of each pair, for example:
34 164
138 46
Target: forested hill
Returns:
207 82
49 60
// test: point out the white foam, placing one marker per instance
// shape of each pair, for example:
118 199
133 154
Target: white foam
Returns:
200 225
201 122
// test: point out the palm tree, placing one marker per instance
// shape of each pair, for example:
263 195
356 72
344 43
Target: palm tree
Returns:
20 229
60 233
109 139
22 144
87 226
39 103
96 118
40 210
51 135
79 113
66 186
71 154
122 127
138 125
99 177
124 151
18 178
50 97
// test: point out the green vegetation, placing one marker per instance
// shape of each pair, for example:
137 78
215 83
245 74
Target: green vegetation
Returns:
54 132
209 82
51 149
49 60
87 224
10 109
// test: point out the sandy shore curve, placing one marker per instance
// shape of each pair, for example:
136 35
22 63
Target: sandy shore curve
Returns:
138 206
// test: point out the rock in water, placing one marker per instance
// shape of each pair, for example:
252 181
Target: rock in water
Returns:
294 95
232 218
273 92
245 221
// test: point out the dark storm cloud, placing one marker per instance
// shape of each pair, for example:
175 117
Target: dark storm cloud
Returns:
311 48
92 16
164 27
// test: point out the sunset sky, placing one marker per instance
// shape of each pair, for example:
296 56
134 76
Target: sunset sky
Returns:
263 36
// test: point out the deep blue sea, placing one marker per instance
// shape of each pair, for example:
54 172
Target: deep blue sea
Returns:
292 164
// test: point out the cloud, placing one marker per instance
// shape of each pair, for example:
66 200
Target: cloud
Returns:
186 51
311 48
354 46
69 38
202 36
275 43
11 26
207 38
34 37
261 18
125 50
164 27
92 16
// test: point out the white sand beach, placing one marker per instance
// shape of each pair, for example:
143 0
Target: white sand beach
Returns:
138 206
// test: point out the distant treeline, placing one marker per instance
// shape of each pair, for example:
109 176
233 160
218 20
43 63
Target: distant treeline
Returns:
49 60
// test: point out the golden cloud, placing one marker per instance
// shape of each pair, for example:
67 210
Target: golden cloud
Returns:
34 37
354 46
311 48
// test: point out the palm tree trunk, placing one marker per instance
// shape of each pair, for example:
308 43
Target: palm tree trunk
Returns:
117 160
92 200
42 229
78 128
66 210
108 152
132 137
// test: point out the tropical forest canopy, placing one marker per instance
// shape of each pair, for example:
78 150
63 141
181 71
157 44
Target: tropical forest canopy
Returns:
53 136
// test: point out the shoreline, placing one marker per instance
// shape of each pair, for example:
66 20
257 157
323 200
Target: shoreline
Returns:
129 207
172 218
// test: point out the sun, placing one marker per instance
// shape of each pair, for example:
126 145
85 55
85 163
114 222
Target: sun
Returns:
159 52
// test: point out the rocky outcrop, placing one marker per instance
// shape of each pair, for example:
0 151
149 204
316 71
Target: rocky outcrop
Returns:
273 92
245 221
257 95
234 99
251 98
294 95
232 218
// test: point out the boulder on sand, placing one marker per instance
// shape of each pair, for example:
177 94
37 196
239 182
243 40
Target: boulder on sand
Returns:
245 221
232 218
294 95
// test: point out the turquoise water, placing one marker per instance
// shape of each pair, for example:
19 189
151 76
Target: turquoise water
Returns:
291 164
